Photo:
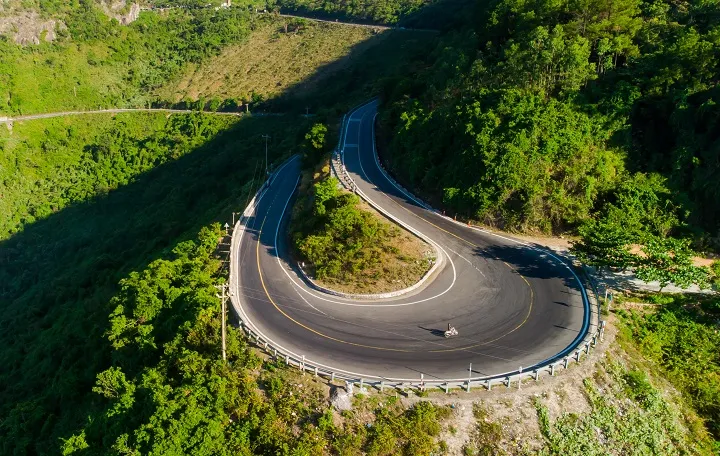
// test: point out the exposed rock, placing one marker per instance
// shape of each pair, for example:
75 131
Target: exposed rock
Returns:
27 27
119 9
341 399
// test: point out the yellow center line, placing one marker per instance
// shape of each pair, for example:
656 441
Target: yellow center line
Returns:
267 293
507 333
532 294
262 282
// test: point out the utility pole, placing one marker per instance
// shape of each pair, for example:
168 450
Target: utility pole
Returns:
223 287
266 153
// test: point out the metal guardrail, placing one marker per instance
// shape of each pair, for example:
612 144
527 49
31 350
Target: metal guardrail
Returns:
563 360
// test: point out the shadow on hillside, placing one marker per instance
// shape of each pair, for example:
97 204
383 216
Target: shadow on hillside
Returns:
437 15
361 74
440 15
58 275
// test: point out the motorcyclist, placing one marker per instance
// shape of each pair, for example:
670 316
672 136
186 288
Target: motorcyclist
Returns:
451 331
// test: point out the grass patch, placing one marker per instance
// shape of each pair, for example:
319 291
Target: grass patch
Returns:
269 62
349 247
680 336
628 416
382 425
486 436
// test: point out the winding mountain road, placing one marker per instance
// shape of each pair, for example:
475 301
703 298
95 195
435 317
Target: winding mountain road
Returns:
514 306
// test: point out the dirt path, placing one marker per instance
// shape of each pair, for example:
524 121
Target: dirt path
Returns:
48 115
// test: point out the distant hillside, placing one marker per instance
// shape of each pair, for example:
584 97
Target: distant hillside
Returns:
96 62
374 11
278 55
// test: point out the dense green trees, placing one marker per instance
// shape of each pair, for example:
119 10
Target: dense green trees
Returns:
59 274
99 63
315 145
508 158
377 11
682 337
338 239
597 117
168 391
46 166
540 114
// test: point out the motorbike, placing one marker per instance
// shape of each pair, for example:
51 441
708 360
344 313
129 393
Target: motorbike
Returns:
451 331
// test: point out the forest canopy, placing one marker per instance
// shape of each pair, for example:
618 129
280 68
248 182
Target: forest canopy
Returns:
541 116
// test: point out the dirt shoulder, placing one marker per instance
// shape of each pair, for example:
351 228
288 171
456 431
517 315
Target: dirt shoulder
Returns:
593 405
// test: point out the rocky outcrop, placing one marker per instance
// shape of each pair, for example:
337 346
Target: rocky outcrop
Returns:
27 27
120 10
341 398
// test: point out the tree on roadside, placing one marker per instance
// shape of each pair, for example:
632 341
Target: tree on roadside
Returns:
669 260
603 244
315 143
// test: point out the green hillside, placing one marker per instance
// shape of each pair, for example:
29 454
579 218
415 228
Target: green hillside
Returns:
538 114
117 197
276 57
99 243
596 119
95 62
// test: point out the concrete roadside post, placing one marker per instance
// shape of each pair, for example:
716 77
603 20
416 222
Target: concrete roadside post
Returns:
469 377
520 377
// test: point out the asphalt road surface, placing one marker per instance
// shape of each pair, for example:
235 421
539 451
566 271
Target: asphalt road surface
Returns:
514 306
